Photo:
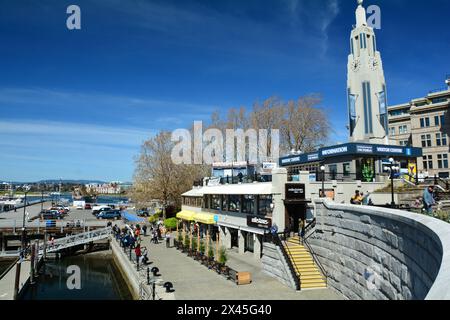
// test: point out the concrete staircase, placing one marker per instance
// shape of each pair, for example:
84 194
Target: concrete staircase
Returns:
307 270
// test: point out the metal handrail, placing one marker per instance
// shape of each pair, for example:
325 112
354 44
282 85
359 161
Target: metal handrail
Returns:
316 260
278 242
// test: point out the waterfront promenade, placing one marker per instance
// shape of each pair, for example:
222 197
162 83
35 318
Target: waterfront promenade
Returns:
7 282
193 281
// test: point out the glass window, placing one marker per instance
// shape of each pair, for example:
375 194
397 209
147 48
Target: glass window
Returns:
235 203
430 162
425 163
264 205
248 204
427 122
422 122
438 139
225 203
392 131
426 141
205 201
216 201
444 139
436 121
442 118
346 169
403 129
442 161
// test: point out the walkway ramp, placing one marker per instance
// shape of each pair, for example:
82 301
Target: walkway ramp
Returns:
76 240
306 268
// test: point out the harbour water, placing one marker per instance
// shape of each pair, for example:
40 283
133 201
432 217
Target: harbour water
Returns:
100 280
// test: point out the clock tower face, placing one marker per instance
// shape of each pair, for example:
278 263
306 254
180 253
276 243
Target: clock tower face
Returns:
356 65
373 63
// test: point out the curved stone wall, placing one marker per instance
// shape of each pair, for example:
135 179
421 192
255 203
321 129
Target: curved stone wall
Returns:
373 253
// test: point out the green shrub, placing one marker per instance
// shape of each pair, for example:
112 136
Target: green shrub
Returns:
186 241
211 252
223 258
154 218
180 236
171 223
202 247
194 244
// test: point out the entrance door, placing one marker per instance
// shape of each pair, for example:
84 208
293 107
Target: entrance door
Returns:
249 242
295 213
234 238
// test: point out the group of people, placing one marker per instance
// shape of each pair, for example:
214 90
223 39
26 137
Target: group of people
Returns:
130 237
427 201
360 199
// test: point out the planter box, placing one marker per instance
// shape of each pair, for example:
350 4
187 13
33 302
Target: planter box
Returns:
243 278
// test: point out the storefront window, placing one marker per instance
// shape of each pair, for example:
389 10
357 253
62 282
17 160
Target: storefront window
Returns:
248 204
235 203
264 205
346 169
216 202
225 203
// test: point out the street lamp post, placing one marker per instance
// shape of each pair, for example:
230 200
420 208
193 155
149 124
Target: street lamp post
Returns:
26 189
322 169
392 168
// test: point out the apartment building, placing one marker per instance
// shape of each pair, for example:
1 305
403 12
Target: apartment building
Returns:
424 123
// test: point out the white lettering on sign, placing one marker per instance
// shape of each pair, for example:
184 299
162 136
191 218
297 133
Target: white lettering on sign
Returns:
389 150
364 149
334 151
257 220
313 157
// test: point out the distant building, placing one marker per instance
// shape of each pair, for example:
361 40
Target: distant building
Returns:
424 123
104 188
4 186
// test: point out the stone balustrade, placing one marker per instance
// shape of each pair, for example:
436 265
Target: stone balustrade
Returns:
375 253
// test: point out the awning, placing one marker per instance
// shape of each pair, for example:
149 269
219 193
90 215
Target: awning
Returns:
186 215
204 218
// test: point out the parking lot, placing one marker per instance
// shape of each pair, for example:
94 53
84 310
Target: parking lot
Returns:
14 219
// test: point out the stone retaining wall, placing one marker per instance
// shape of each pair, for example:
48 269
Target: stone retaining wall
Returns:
373 253
275 265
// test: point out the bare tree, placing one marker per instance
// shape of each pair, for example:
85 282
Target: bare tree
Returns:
305 126
157 177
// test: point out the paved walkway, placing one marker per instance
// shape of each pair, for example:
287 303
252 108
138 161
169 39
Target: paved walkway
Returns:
193 281
7 282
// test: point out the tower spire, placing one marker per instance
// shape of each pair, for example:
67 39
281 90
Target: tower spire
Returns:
361 15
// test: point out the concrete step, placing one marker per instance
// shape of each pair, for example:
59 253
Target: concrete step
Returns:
313 286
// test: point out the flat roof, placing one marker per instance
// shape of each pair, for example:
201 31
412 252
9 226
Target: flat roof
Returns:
264 188
352 149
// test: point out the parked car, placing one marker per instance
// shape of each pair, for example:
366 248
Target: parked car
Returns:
51 215
143 213
97 209
109 214
88 206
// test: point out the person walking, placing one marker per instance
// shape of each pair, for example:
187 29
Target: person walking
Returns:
144 229
167 239
138 253
428 200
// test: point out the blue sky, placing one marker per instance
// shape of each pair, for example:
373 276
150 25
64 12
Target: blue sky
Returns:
78 104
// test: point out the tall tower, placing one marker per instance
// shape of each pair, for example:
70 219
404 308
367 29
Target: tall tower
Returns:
366 86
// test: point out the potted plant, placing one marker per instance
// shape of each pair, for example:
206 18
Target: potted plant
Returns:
210 258
223 258
186 244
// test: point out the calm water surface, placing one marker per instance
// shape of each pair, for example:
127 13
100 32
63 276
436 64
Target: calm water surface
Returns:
100 280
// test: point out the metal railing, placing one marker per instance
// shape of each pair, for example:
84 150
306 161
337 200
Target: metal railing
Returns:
75 240
276 240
